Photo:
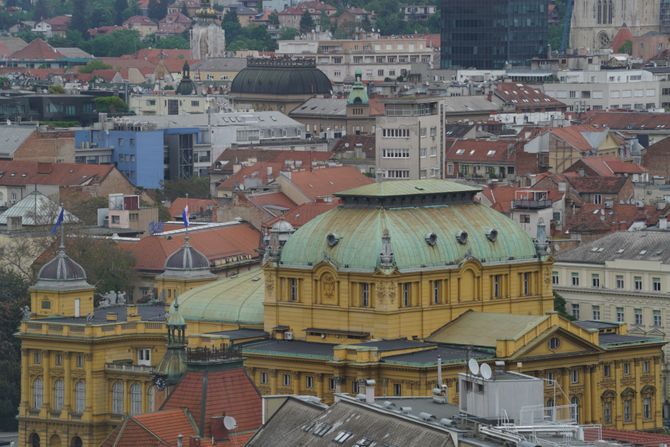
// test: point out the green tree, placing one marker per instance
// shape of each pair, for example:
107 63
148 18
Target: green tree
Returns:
13 296
28 35
133 9
195 187
56 89
626 48
274 19
560 306
41 11
172 42
116 43
110 104
231 25
324 21
120 7
306 22
287 33
95 64
86 208
157 9
80 16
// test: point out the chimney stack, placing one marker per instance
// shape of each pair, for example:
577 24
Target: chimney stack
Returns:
180 440
370 391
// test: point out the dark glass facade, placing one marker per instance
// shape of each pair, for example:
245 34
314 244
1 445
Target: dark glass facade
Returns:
488 34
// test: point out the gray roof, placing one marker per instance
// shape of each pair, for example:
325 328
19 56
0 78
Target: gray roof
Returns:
147 312
590 324
291 414
187 258
74 52
221 64
12 137
292 348
322 106
618 340
14 44
392 345
237 334
448 354
629 245
251 119
468 104
351 422
37 205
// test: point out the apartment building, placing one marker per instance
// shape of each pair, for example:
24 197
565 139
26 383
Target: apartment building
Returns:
379 58
410 138
607 89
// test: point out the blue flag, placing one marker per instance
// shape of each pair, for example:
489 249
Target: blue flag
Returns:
59 221
184 216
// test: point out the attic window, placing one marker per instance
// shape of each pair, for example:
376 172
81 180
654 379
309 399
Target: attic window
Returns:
462 237
332 239
472 152
620 250
431 239
460 151
594 249
643 252
491 153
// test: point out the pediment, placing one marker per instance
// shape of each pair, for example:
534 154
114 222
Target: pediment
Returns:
545 345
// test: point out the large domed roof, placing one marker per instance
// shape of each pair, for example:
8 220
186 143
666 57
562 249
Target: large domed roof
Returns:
430 223
281 77
237 299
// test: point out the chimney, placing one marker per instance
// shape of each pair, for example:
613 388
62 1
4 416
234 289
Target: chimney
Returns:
439 371
370 391
663 223
180 440
489 96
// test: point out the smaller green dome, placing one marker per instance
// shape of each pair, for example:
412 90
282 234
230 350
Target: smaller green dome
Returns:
237 300
359 92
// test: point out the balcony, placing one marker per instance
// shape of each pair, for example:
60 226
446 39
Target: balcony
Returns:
530 204
128 368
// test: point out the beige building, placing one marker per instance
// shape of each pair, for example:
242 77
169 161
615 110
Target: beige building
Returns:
623 277
379 58
409 138
595 22
168 104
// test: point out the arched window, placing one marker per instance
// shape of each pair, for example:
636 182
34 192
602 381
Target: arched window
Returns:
151 399
117 398
628 395
608 400
38 393
135 399
648 393
58 394
76 442
34 440
80 397
574 409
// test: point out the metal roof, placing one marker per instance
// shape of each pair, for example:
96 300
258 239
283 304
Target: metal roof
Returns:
293 348
12 137
629 245
408 188
322 106
237 299
36 209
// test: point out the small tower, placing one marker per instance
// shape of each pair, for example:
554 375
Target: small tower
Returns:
173 365
185 269
61 288
279 234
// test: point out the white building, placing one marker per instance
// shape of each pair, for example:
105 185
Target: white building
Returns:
379 58
606 89
623 277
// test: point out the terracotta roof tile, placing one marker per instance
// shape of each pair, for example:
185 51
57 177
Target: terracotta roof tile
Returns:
37 50
325 182
628 120
257 173
168 424
606 166
302 214
524 96
593 184
591 218
217 243
500 151
277 199
622 36
62 174
574 136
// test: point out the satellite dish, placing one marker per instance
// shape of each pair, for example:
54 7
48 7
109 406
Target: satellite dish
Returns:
485 369
230 423
473 366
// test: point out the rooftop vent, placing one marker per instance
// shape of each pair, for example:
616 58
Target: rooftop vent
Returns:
332 239
462 237
431 239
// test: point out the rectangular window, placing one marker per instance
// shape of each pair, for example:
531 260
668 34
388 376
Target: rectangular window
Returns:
575 311
554 278
626 369
293 289
331 384
550 377
59 359
524 218
575 279
645 367
627 413
637 280
37 357
397 389
309 382
80 361
658 320
437 291
606 370
144 356
526 283
595 280
497 286
264 378
656 284
619 282
597 199
596 313
574 376
365 294
638 317
646 408
619 314
406 294
287 380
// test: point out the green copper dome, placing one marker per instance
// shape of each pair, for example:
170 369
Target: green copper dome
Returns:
429 223
237 299
359 92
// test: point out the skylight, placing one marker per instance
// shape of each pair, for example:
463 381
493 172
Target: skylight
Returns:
491 153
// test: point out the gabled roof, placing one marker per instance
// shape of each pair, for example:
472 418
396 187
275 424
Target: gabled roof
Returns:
12 137
624 245
597 184
576 135
606 166
629 120
622 36
591 218
253 176
37 50
323 182
502 196
36 209
59 22
61 174
271 200
334 107
139 21
302 214
152 429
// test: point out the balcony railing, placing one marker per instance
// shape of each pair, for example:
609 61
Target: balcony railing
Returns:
125 367
531 204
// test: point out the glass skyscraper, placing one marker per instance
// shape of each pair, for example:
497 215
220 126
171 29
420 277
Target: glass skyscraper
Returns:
488 34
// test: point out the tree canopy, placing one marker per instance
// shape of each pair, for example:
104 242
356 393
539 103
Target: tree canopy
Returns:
306 22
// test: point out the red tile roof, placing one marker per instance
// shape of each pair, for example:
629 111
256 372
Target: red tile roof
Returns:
638 438
593 184
525 96
257 172
62 174
139 21
195 206
132 434
228 392
302 214
217 243
37 50
276 199
628 120
502 196
324 182
622 36
591 218
606 166
485 151
574 136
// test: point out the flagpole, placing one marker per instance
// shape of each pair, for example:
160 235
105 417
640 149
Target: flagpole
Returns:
187 222
62 229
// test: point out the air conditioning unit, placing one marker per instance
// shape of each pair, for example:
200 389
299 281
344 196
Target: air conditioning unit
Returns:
288 335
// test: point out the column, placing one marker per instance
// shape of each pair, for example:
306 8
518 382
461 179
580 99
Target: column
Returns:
565 384
296 383
273 381
25 380
143 390
595 395
126 398
587 416
67 385
658 365
46 383
88 390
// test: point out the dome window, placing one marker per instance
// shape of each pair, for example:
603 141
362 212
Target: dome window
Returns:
332 239
462 237
431 239
492 234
